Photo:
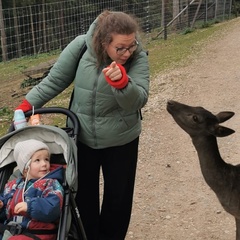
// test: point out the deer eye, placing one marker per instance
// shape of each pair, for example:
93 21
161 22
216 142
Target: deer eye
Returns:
195 119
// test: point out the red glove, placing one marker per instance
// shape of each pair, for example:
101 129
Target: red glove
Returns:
25 106
121 83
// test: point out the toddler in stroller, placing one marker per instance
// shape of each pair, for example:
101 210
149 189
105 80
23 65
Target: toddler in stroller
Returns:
32 202
63 152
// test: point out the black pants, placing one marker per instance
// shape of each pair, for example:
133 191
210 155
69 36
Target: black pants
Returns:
111 221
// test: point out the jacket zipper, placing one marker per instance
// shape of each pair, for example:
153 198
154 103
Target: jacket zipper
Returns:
94 111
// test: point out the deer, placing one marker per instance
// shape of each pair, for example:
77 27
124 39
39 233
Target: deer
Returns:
204 128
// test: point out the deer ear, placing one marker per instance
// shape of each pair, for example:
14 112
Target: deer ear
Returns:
224 116
221 131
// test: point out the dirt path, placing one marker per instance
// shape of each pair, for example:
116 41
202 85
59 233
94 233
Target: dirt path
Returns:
172 200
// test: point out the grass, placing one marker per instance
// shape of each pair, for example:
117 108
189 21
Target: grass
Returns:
178 49
164 55
14 67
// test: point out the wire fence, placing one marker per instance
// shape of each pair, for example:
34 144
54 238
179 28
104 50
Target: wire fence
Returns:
38 28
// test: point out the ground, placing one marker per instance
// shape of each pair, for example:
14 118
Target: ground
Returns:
172 200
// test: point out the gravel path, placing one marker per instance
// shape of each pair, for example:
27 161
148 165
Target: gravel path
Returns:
172 200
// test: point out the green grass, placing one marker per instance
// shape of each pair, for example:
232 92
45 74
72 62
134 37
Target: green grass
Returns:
164 55
178 49
14 67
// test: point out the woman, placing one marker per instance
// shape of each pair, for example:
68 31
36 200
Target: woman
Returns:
111 85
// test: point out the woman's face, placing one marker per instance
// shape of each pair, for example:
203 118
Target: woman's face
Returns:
122 47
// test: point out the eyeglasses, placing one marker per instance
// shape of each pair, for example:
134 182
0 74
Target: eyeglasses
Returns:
131 49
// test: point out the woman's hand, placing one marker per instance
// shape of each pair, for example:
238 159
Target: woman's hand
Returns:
20 207
113 72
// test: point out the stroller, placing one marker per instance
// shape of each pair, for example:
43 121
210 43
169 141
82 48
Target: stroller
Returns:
62 144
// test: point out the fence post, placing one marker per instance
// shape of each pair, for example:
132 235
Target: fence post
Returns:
164 19
3 35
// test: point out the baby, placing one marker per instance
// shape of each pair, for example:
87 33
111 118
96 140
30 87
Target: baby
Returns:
34 200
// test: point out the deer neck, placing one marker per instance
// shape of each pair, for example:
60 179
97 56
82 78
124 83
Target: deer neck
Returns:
211 163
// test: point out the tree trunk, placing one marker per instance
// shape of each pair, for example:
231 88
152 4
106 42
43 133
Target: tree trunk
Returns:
32 30
15 18
61 26
45 49
196 13
3 35
175 13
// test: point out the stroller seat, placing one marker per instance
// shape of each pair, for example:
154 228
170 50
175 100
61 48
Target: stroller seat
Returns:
63 152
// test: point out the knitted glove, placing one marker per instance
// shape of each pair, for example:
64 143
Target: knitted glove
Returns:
25 106
121 83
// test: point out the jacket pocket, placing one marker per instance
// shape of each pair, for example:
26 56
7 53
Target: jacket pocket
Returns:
129 120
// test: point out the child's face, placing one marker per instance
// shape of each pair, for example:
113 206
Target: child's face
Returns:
39 165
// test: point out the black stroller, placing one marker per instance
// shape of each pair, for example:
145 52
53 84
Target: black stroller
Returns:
62 143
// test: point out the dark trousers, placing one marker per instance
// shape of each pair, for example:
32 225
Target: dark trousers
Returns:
111 221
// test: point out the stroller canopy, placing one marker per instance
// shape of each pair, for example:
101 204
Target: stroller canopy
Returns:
57 140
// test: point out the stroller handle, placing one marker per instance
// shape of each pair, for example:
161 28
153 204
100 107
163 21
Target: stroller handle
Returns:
49 110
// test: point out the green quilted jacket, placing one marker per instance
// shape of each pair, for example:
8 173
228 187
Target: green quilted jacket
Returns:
108 116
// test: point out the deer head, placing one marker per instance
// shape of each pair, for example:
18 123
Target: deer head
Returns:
198 121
